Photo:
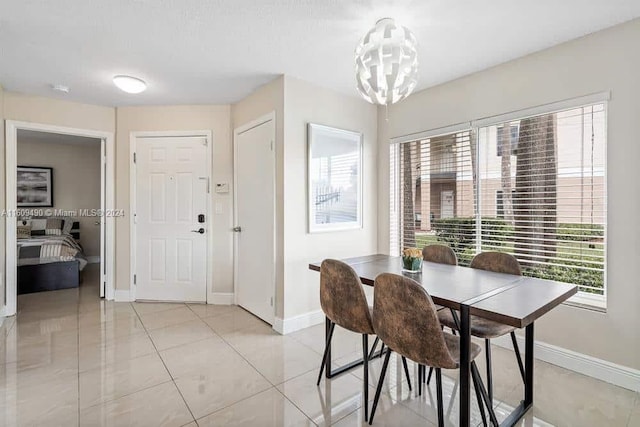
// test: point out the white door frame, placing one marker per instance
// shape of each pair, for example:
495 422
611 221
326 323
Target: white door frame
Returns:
237 131
133 137
108 180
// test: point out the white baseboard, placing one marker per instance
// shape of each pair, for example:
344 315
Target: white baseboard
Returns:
122 296
221 298
603 370
93 259
295 323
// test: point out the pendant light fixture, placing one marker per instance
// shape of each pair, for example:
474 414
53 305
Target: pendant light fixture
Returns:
386 63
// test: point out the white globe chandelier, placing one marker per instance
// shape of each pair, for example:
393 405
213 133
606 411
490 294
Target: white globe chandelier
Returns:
387 63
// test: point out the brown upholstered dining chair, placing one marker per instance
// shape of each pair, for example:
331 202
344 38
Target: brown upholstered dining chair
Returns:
406 320
344 303
440 254
498 262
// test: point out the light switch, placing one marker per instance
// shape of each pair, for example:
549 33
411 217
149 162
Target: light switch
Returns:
218 209
222 187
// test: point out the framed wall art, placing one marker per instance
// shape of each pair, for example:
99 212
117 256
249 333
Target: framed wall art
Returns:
334 178
34 186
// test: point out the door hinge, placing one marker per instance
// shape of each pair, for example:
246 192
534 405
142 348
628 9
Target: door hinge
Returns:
271 150
271 301
135 279
134 158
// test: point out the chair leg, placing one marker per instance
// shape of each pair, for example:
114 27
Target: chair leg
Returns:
477 379
439 397
476 386
406 371
379 387
420 367
518 356
326 352
373 347
381 349
365 361
487 345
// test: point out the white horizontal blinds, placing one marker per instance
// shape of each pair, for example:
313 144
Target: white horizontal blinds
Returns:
543 194
435 191
336 191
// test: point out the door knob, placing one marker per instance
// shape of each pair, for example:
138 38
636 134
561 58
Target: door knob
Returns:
200 230
237 229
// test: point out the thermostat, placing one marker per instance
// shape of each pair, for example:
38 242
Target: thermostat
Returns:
222 187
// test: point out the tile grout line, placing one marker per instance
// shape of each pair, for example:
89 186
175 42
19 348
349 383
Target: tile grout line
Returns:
274 386
166 368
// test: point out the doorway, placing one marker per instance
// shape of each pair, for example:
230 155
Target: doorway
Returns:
52 222
254 207
171 220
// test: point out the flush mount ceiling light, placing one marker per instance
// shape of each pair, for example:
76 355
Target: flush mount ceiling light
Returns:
386 63
129 84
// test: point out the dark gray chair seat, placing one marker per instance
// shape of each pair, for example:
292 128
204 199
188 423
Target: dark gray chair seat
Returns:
480 327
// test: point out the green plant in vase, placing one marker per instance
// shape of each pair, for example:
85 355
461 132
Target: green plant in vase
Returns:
412 260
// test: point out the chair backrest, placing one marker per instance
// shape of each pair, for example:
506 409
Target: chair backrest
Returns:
342 297
405 319
439 253
498 262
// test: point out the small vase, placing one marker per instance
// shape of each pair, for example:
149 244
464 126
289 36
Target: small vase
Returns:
411 264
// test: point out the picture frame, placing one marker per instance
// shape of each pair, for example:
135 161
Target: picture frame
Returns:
334 174
34 187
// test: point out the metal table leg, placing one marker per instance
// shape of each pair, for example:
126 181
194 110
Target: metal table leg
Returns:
527 403
465 366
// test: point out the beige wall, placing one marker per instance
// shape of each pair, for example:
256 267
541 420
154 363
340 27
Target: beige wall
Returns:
306 103
36 109
607 60
215 118
266 99
76 180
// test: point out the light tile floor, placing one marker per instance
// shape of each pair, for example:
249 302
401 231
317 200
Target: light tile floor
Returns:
69 358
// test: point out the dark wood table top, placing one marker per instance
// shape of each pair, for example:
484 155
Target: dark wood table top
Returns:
509 299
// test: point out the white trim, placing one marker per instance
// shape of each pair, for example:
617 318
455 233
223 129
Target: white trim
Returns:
123 295
567 104
432 133
270 117
133 136
221 298
603 370
93 259
301 321
11 163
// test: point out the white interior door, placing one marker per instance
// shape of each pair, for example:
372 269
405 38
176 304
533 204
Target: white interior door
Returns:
255 220
171 241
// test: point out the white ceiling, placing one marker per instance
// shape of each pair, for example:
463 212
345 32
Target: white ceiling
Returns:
55 138
219 51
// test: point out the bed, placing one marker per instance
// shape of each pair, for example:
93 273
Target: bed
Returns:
49 258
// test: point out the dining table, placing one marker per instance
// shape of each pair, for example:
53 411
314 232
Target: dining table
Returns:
510 299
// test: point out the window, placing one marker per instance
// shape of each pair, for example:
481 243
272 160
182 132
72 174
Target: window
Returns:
545 202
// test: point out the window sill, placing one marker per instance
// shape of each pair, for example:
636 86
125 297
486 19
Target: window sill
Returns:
588 301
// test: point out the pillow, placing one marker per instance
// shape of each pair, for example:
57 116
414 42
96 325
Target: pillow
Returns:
67 225
24 232
53 227
38 226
